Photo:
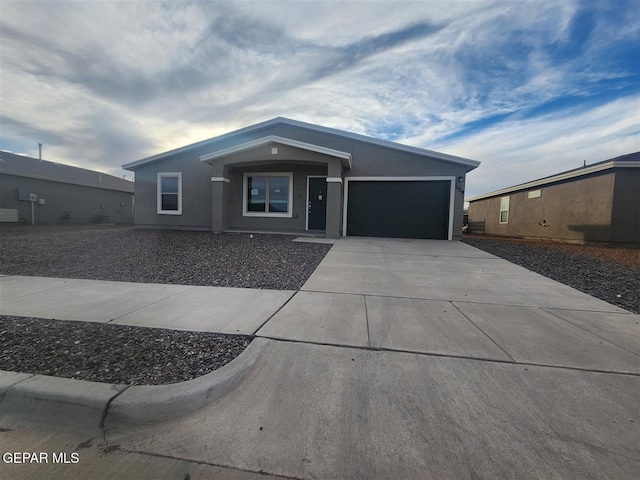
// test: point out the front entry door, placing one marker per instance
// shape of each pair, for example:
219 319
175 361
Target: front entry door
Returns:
317 203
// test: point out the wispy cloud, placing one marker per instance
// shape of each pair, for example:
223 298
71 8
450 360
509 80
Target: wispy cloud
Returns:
531 148
103 83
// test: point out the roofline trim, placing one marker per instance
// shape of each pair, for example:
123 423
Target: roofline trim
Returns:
283 141
559 177
309 126
379 141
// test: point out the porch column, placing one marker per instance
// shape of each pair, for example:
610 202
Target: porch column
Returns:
219 194
334 199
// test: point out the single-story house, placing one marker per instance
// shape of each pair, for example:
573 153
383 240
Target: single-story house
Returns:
594 203
289 176
39 191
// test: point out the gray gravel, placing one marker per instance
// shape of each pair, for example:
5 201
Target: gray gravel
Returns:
607 280
159 256
149 356
136 355
112 353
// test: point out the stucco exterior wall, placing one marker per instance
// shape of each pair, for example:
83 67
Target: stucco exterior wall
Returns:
83 201
578 210
380 161
196 194
199 193
625 218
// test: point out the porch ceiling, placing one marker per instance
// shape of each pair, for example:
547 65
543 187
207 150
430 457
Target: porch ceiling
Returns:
345 157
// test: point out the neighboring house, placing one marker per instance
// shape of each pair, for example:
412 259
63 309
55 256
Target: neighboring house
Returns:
38 191
595 203
289 176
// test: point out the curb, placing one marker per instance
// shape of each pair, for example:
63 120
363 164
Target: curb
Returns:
62 401
140 405
79 403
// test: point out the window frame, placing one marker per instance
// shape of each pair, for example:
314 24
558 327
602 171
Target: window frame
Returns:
159 178
245 188
508 201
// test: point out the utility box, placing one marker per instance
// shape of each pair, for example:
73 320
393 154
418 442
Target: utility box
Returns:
41 201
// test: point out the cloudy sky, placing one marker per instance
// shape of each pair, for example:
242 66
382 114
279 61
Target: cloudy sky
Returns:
529 88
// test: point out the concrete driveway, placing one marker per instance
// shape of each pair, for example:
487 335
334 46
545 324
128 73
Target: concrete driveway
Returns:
425 359
448 298
410 359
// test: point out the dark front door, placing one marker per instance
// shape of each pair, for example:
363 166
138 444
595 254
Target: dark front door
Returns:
317 203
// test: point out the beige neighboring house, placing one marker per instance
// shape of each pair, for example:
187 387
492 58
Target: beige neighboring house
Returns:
39 191
597 203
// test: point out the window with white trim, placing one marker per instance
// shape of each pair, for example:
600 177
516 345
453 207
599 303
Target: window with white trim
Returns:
267 194
504 210
170 193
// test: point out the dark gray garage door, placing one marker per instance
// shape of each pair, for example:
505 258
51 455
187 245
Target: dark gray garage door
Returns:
400 209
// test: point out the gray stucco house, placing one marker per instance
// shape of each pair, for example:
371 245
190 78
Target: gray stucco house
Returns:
39 191
594 203
289 176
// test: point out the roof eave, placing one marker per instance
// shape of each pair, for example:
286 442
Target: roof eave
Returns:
346 158
143 161
472 164
558 178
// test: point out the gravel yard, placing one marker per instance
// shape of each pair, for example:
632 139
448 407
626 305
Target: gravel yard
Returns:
611 274
134 355
112 353
149 356
127 254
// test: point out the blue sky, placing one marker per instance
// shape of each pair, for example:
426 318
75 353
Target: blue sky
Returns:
529 88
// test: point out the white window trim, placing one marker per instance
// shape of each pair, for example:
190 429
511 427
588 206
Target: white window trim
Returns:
452 181
159 193
508 197
246 213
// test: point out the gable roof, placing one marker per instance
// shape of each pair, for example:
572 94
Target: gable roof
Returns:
29 167
630 160
345 156
308 126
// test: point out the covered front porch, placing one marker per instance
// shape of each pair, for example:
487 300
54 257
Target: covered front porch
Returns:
276 184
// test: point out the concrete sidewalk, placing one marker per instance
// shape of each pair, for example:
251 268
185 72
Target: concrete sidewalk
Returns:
181 307
398 359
